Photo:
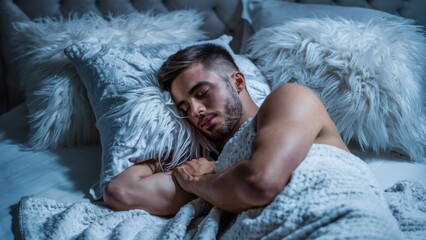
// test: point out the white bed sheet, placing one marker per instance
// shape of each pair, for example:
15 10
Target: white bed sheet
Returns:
66 175
393 167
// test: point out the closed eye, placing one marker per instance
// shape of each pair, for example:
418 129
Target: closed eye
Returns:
202 92
198 91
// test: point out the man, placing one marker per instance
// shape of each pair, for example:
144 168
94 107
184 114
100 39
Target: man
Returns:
210 91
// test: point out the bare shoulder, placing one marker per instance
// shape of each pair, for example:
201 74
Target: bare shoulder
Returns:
293 92
294 107
292 102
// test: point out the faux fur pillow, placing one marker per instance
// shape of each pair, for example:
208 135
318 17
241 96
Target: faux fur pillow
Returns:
370 76
59 112
134 117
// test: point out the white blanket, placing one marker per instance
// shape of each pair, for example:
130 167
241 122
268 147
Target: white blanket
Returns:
325 198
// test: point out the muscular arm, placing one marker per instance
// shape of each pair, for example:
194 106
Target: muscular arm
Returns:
141 187
288 123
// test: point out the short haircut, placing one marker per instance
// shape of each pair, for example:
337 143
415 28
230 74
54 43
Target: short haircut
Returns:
213 57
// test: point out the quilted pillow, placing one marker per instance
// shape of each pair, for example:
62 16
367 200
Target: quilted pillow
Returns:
136 119
370 76
59 112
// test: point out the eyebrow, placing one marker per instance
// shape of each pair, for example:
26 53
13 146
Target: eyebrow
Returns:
191 91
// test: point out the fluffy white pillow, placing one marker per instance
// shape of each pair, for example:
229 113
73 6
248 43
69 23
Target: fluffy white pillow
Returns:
267 13
370 76
137 120
59 112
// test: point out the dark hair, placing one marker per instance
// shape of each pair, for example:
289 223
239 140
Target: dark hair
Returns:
213 57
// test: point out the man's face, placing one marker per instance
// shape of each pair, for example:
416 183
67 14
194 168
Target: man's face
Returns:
209 102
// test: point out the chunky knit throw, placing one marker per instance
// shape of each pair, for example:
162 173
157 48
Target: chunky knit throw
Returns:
331 195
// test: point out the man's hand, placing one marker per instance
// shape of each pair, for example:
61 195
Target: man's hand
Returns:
189 173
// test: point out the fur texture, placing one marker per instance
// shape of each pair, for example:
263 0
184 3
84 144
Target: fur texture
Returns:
136 120
59 112
370 76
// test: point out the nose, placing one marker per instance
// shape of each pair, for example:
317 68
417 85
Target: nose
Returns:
197 108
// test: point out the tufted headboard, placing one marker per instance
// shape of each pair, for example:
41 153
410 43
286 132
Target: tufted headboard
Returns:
222 16
413 9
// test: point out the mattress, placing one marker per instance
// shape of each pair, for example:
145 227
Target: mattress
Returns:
67 174
64 175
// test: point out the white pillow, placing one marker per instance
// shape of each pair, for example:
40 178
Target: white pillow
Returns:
259 14
59 112
137 120
370 76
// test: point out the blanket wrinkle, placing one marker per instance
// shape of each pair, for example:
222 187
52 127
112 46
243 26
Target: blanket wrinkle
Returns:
331 195
407 201
42 218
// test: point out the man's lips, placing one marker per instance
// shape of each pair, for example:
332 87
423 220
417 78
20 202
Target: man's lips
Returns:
206 121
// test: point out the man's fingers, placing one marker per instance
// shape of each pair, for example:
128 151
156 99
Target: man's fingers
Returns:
180 173
176 174
181 177
184 170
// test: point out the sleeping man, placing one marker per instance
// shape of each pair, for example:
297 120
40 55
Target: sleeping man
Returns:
260 147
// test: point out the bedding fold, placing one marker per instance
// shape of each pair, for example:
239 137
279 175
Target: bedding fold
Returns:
322 200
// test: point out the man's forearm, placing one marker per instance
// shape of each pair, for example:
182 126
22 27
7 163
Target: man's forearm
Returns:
234 190
158 193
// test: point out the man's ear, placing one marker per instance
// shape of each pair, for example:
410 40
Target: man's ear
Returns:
239 81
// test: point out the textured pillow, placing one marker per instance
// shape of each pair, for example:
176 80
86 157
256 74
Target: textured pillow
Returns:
267 13
370 76
134 117
59 112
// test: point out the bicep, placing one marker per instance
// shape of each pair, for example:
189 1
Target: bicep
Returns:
287 125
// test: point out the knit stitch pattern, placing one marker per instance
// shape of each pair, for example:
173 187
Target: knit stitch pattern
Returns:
331 195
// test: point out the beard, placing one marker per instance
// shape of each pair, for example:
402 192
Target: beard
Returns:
232 114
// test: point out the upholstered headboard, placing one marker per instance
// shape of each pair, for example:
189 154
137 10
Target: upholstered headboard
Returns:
413 9
222 16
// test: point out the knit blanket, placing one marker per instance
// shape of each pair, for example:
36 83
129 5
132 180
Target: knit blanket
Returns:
327 197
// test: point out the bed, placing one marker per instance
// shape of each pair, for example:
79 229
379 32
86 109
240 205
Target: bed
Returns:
66 171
